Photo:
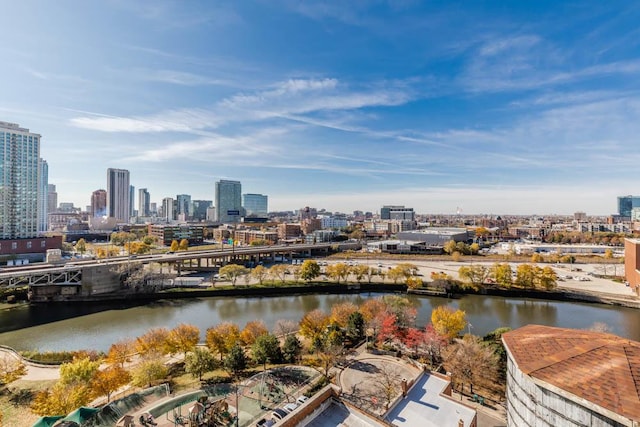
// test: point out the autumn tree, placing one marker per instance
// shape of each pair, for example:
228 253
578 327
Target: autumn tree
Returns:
199 362
360 272
252 331
434 344
388 328
259 273
183 245
502 273
371 307
174 246
407 269
395 274
285 327
413 339
472 362
388 383
402 308
450 247
278 271
60 399
79 371
313 326
338 271
546 278
222 338
266 349
340 313
526 276
474 275
108 380
414 282
326 359
183 338
81 246
309 270
153 342
120 352
231 272
447 321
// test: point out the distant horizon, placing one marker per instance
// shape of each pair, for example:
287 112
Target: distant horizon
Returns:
524 107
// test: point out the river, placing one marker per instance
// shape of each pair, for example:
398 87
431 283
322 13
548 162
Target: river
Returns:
74 327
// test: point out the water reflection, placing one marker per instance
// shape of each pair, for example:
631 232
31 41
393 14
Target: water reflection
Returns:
75 327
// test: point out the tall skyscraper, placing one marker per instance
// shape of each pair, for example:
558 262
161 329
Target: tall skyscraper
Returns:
183 202
43 186
18 181
228 199
98 203
200 209
255 205
132 201
118 194
144 201
52 198
626 204
168 209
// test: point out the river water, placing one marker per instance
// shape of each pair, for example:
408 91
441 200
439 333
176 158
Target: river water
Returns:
74 327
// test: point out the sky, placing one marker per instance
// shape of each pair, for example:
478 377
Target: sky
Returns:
443 106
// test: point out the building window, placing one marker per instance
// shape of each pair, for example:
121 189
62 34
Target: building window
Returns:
43 244
29 244
14 245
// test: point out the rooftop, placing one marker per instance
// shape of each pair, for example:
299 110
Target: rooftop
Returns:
601 368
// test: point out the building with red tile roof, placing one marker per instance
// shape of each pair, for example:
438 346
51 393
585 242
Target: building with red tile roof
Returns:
567 377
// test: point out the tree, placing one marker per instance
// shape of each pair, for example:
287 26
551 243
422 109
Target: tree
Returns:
199 362
526 276
355 327
266 349
450 247
536 258
388 328
60 399
502 273
153 342
174 246
10 370
474 248
371 308
278 271
447 321
108 380
80 371
456 256
259 273
236 361
360 271
414 282
407 269
434 343
475 275
222 338
285 327
252 331
184 245
395 274
413 338
231 272
120 352
183 338
148 371
340 313
291 349
388 381
546 278
313 324
338 271
309 270
327 359
81 246
472 362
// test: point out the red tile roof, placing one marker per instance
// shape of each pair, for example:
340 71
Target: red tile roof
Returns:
601 368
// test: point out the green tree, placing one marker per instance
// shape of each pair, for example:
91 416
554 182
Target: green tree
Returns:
266 349
149 371
259 273
291 348
174 246
199 362
81 246
355 327
309 270
236 361
231 272
183 245
80 371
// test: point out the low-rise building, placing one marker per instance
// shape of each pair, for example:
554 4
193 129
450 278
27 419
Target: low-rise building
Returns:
166 233
437 236
289 231
568 377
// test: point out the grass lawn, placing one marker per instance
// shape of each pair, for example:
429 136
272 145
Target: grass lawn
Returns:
15 400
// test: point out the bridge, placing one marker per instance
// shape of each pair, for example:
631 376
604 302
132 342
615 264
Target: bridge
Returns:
101 276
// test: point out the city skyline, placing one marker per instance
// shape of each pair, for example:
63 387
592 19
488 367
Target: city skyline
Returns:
518 109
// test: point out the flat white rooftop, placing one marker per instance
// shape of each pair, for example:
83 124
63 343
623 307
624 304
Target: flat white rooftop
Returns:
337 414
425 406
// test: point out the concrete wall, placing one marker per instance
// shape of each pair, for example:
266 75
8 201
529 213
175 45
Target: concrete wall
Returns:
632 263
99 279
529 405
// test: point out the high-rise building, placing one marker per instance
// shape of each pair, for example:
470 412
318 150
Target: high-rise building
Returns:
98 203
183 206
144 201
132 201
200 209
43 185
626 203
153 209
18 181
399 213
228 201
118 194
52 198
168 208
255 205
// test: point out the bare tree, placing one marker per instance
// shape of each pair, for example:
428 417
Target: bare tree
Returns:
388 382
472 362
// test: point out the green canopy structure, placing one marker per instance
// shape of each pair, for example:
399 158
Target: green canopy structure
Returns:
81 415
47 421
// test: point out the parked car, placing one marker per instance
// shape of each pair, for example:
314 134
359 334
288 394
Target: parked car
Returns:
279 414
290 407
302 399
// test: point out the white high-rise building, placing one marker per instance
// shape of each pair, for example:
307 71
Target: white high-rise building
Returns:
144 201
118 193
168 209
228 201
19 179
43 197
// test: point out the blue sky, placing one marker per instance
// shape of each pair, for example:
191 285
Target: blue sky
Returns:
492 107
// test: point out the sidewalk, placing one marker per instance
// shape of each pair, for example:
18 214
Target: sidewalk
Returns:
494 415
